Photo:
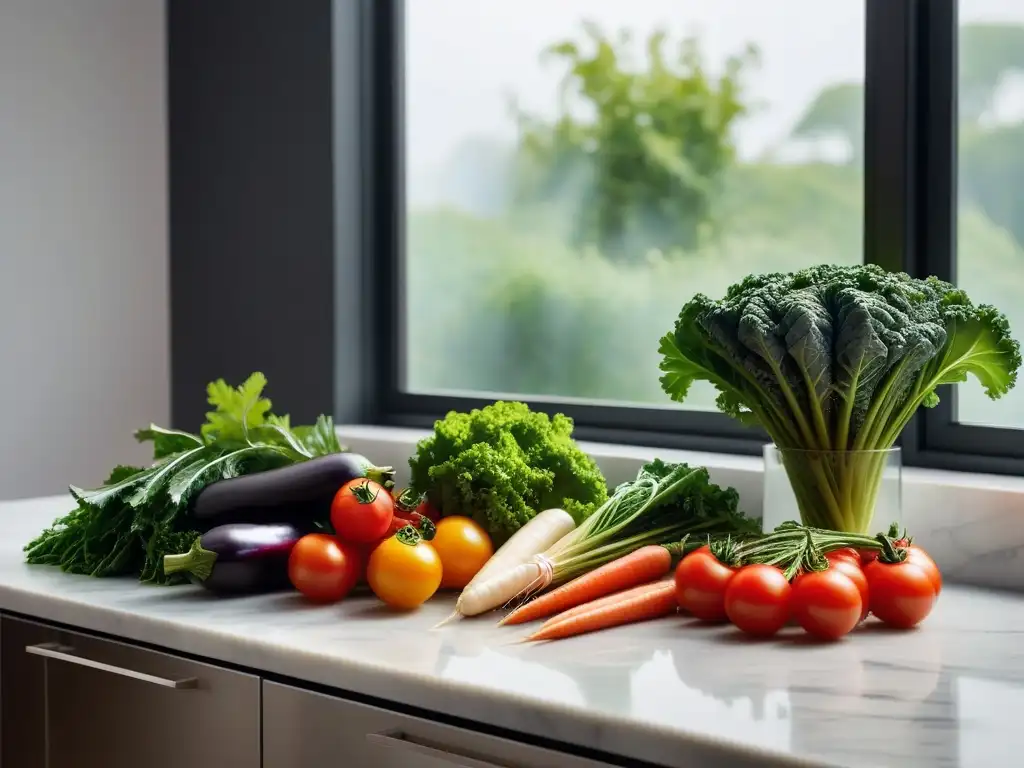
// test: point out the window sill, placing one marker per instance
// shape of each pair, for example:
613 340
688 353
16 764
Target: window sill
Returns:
970 523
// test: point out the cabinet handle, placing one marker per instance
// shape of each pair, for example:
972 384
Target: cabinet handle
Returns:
407 743
66 653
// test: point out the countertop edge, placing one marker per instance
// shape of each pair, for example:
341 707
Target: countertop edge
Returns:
515 714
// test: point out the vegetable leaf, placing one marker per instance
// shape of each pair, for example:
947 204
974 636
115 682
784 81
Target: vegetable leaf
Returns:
502 465
834 359
320 439
167 441
142 513
235 408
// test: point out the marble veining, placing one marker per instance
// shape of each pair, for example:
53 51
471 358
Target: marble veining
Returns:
673 692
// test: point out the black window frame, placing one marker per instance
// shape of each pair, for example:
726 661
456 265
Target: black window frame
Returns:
324 128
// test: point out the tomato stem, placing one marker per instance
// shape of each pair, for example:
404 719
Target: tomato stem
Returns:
793 548
364 493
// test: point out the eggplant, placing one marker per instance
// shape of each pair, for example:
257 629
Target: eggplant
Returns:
239 559
299 493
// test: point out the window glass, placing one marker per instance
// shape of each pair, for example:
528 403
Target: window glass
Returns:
990 257
576 170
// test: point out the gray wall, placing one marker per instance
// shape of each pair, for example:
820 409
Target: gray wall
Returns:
83 238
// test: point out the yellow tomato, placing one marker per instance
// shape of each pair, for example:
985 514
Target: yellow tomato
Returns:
464 547
404 571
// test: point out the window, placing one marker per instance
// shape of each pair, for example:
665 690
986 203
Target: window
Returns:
990 243
443 221
575 171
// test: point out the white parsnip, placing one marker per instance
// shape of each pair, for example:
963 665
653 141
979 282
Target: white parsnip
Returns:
512 569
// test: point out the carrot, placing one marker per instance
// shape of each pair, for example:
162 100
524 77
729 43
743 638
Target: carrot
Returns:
615 597
638 567
644 603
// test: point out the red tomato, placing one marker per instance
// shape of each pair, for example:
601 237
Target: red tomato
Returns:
827 603
902 594
848 553
700 585
852 570
323 568
427 509
921 558
867 555
408 501
757 600
362 511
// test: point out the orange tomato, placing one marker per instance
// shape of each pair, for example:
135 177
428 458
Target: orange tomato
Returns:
464 547
404 570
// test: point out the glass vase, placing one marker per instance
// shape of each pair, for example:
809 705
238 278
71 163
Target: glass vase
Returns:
848 491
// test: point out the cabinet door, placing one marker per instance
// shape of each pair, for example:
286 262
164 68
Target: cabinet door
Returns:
108 704
22 694
310 730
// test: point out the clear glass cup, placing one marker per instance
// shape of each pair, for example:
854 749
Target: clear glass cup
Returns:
848 491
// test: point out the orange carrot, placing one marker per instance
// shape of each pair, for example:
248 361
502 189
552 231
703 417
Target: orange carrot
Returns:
641 606
638 567
615 597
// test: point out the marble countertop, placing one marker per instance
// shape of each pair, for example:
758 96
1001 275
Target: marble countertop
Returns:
670 692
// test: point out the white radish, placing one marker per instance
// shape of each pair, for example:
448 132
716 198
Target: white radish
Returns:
513 568
502 587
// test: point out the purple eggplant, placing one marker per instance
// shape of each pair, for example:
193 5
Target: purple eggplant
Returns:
240 558
300 493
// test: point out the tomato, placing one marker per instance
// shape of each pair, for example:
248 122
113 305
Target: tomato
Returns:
852 570
827 604
921 558
757 599
428 510
701 580
867 555
323 568
404 570
848 553
409 501
361 511
902 594
463 547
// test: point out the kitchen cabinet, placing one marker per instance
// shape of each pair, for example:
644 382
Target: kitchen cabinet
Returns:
303 729
75 701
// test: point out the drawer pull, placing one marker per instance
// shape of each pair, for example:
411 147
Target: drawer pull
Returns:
66 653
414 745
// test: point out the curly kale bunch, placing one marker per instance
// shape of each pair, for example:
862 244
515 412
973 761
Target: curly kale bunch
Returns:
503 464
836 360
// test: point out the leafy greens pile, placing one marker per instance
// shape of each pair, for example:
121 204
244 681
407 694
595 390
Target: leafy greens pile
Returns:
836 359
142 513
674 505
503 464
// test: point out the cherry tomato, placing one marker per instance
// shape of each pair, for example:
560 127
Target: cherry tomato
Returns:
902 594
701 580
361 511
852 570
921 558
409 501
428 510
827 604
757 599
323 568
404 570
463 547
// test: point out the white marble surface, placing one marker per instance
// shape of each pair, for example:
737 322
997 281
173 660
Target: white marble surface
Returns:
946 695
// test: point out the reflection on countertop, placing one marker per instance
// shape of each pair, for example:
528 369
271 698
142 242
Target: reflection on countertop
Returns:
673 692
